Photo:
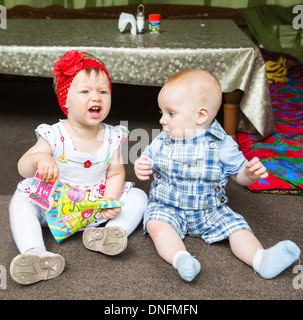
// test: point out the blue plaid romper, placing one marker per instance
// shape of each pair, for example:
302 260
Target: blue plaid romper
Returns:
188 190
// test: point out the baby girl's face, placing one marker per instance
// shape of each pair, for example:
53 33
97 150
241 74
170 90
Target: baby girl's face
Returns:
179 111
89 98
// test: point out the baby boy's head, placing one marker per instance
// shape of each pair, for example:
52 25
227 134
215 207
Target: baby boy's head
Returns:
203 85
195 95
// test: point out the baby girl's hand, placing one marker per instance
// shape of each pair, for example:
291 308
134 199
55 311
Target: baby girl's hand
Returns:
255 169
47 168
110 213
143 169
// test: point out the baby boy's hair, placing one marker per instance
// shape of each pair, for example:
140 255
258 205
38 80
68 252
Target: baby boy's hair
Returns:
203 84
87 70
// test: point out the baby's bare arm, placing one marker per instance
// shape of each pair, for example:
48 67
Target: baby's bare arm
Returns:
39 157
115 178
251 172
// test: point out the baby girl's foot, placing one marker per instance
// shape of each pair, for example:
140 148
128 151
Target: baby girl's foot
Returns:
108 240
187 266
35 265
271 262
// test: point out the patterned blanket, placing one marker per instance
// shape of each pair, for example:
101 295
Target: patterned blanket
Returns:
282 152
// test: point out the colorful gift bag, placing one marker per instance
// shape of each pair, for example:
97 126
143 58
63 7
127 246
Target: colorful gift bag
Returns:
73 209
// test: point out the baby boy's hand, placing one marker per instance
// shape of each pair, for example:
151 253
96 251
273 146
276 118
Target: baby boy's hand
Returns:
143 169
255 169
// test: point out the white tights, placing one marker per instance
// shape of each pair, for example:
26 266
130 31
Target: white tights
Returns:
27 218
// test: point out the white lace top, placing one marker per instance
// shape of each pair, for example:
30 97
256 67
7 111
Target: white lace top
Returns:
86 171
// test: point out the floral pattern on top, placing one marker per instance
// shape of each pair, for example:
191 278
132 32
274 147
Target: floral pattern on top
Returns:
85 171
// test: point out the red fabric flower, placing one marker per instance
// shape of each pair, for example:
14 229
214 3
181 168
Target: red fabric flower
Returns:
102 189
87 164
70 63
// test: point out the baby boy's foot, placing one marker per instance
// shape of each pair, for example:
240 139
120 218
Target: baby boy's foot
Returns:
271 262
36 265
187 266
108 240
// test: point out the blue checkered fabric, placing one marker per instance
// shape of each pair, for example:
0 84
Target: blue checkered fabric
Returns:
187 181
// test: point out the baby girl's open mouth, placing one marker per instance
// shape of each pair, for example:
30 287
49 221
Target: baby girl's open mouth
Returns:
94 111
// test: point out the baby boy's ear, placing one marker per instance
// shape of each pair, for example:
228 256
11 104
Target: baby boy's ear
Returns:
202 115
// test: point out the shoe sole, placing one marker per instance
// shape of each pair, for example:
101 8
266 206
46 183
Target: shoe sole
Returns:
29 268
109 240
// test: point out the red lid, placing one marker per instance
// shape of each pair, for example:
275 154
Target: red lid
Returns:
154 17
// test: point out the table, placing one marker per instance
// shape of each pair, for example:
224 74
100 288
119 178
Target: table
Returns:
30 47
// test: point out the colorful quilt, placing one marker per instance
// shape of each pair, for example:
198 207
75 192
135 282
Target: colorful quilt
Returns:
282 152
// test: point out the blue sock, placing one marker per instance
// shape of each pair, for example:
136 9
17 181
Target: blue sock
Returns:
187 266
271 262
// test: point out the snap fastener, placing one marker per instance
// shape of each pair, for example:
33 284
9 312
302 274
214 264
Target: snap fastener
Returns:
213 145
222 199
217 189
167 143
158 175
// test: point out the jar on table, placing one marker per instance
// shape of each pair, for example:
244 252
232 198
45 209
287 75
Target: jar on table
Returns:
154 23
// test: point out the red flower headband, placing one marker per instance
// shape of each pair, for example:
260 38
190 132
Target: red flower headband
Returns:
66 68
